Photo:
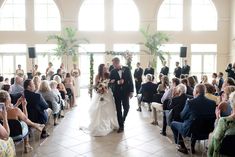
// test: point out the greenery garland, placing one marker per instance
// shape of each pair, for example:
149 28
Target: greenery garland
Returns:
91 74
127 55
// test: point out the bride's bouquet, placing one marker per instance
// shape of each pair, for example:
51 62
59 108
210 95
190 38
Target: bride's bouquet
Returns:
102 88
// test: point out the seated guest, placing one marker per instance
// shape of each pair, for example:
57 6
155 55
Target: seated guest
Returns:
198 107
214 79
37 107
191 82
14 97
210 93
37 81
17 86
224 108
51 97
226 126
147 90
169 92
53 85
13 112
189 89
228 82
58 72
204 79
1 81
160 79
7 146
164 85
176 104
60 87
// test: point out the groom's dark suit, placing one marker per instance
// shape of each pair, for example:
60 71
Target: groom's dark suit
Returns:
121 92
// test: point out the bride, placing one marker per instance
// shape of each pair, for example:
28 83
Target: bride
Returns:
103 116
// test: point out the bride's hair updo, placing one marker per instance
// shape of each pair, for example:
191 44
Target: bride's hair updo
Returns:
100 70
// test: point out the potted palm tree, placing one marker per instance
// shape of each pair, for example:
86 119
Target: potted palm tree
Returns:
67 44
153 42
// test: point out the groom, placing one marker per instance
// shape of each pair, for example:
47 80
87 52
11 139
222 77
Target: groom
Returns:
122 87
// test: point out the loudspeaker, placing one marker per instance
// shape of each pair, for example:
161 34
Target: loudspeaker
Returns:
32 52
183 52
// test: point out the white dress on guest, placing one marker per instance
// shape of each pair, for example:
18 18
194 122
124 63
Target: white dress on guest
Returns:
103 116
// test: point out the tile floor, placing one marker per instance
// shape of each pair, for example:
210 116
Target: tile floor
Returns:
140 138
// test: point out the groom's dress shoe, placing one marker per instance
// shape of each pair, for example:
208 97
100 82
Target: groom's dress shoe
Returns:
120 130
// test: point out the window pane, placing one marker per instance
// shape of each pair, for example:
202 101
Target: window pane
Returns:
47 16
170 16
84 61
126 16
22 61
196 64
91 16
8 70
209 64
12 16
13 48
204 48
206 18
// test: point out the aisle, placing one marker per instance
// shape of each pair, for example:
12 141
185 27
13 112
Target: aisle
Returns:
139 139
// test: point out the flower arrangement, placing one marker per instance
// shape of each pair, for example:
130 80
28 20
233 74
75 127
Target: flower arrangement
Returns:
102 88
91 73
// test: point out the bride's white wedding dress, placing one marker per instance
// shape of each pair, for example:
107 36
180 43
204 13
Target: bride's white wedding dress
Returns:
103 116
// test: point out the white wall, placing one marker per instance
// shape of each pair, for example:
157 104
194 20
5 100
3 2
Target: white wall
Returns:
148 12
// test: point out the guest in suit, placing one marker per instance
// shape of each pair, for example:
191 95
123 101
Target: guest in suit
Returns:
231 70
122 87
147 91
221 81
186 68
200 106
176 104
138 77
149 70
164 69
177 71
37 107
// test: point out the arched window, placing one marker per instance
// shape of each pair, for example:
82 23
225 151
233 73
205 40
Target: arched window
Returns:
91 16
170 16
46 15
126 16
12 15
204 15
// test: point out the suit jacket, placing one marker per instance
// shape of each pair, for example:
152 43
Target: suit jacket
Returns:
221 81
111 68
164 70
138 74
185 69
177 104
177 72
194 108
36 107
127 87
148 90
148 71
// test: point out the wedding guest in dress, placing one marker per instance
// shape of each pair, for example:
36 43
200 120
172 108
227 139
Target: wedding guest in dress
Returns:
204 79
63 70
49 71
69 85
214 79
76 74
138 77
225 127
13 112
164 69
50 96
7 146
191 82
19 71
61 87
177 71
36 72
